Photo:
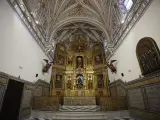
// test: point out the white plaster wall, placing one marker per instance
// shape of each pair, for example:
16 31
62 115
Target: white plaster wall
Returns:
147 26
19 52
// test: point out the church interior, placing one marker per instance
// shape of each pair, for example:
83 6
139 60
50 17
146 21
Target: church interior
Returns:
79 60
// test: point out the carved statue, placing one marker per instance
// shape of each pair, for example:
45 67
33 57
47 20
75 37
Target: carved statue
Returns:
79 62
47 66
90 84
89 60
111 67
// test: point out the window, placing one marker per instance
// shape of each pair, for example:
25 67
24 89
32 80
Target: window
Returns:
128 4
125 5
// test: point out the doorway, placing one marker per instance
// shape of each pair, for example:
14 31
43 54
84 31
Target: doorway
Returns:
12 101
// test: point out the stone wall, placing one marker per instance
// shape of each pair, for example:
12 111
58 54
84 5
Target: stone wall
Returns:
144 97
40 88
117 88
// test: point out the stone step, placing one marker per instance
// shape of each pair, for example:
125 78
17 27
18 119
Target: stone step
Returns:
91 108
79 114
110 115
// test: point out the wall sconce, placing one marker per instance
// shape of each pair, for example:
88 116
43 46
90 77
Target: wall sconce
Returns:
122 74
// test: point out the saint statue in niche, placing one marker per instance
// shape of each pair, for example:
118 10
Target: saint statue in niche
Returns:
90 84
89 60
79 62
79 81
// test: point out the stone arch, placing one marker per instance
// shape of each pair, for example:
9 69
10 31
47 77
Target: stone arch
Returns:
148 55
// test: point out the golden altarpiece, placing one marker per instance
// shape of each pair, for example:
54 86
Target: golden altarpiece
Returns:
79 73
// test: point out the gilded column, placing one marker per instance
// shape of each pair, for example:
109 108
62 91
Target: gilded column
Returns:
53 82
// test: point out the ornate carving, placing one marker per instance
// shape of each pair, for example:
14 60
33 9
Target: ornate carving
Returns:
79 101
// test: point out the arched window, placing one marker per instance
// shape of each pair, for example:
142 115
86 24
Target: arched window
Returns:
148 55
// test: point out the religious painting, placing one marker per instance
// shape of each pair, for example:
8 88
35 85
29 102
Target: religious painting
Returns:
148 55
100 81
79 62
79 81
60 60
98 59
58 81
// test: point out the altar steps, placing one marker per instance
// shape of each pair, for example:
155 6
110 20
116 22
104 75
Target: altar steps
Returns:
111 115
90 108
